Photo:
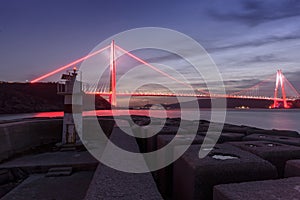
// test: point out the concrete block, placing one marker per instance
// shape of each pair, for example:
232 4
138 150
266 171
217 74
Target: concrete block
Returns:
280 139
194 178
149 133
228 128
92 126
284 189
292 168
166 130
274 132
275 153
6 149
59 171
20 136
224 137
4 176
140 132
165 176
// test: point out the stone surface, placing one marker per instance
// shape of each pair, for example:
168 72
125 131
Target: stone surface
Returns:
40 163
283 189
280 139
38 186
194 178
109 183
275 153
292 168
59 171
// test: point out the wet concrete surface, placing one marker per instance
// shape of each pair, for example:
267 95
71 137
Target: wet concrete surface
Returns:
38 186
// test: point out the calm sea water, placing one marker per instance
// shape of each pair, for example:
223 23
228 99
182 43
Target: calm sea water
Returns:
261 118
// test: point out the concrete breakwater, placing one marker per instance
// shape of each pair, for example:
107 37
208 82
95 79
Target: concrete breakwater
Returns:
20 136
243 154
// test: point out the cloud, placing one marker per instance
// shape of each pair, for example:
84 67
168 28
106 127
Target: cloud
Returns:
162 58
262 59
259 42
252 13
293 78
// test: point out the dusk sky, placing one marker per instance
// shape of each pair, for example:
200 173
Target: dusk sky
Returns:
248 40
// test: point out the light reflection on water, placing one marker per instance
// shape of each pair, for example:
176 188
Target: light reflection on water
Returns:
268 119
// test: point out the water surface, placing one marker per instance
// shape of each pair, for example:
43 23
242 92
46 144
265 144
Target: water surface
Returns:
261 118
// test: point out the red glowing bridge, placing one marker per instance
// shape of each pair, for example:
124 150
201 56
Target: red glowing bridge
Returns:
284 91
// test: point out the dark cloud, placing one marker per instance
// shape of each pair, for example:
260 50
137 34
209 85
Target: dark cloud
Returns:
162 58
243 81
267 58
258 42
254 12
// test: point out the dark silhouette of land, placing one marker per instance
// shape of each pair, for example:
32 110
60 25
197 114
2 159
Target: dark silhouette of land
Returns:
38 97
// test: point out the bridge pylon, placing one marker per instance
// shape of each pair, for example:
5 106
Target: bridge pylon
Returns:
112 90
280 79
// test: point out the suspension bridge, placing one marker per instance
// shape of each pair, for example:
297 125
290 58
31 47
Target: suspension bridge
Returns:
275 88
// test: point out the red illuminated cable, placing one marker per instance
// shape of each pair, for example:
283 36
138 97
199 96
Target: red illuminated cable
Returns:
289 83
68 65
247 89
152 67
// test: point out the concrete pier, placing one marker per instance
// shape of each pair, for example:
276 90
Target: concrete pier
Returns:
112 184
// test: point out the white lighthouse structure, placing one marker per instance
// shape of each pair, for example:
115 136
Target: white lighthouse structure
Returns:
71 88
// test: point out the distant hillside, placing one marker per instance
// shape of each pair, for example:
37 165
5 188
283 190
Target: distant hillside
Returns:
232 103
37 97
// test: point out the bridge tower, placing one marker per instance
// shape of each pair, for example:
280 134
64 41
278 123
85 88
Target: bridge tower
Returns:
112 90
71 89
280 79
